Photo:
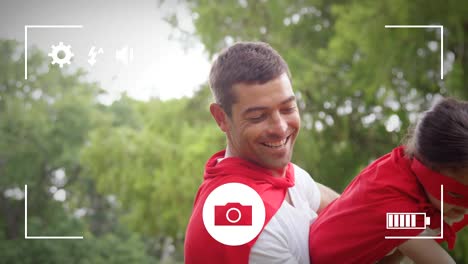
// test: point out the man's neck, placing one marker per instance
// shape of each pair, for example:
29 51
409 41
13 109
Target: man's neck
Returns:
279 172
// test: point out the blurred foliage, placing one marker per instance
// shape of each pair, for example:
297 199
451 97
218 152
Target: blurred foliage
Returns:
151 165
44 123
131 169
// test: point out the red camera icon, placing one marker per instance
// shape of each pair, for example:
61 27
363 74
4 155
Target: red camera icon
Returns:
233 214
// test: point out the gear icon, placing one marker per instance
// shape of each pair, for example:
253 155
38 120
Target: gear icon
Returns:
55 52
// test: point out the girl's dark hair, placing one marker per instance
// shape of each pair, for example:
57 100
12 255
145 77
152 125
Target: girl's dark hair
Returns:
440 137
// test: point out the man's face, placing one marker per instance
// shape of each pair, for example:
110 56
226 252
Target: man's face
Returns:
264 123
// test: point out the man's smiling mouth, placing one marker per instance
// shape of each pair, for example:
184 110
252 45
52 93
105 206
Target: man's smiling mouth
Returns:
277 144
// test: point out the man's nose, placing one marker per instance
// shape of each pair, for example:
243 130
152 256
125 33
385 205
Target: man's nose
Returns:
278 125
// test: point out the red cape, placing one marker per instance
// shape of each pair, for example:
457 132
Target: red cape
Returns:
200 247
352 229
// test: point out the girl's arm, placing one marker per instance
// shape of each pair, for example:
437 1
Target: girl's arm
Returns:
327 196
394 258
425 251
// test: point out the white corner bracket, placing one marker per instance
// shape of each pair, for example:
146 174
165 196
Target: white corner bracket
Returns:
26 27
441 223
441 41
26 223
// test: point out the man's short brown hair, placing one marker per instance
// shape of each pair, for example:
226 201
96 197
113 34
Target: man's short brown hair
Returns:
244 62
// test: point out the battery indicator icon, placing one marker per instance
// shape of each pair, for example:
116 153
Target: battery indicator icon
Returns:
407 220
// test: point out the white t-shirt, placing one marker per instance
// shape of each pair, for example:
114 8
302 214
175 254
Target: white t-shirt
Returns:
285 239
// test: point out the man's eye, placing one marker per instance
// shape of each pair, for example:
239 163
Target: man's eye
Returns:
289 110
257 118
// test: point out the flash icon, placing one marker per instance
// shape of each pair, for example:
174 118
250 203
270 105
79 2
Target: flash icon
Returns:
92 55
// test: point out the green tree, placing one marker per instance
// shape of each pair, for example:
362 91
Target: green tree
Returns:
156 164
44 122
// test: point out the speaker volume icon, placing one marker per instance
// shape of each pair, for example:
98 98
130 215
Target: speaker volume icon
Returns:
124 55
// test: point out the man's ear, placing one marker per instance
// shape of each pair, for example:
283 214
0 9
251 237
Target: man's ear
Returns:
220 116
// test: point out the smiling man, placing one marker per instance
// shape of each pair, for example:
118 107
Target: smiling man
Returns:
264 123
257 110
